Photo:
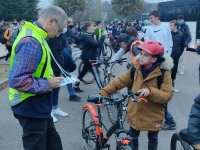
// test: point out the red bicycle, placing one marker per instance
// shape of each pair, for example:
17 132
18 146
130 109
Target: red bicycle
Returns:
92 125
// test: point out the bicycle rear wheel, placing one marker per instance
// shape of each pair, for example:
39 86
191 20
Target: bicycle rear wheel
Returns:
89 130
88 78
125 147
178 144
107 51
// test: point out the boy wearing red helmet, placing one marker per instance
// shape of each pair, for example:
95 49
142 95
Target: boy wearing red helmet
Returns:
146 116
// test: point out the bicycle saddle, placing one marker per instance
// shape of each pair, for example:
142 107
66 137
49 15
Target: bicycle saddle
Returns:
94 98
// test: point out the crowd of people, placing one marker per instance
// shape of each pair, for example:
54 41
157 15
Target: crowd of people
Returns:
47 44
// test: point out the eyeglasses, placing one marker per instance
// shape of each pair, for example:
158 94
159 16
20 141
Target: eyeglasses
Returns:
60 29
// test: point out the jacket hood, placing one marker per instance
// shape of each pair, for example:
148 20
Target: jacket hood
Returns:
168 64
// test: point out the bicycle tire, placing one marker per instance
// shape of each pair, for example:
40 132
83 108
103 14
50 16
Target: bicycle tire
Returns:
108 51
111 106
125 147
177 142
88 78
90 144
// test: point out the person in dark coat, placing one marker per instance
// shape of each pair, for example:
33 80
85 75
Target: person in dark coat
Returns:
184 28
177 49
193 129
137 25
57 45
89 52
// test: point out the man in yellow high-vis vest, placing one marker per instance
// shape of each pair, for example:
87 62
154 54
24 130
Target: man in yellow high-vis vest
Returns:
98 34
31 80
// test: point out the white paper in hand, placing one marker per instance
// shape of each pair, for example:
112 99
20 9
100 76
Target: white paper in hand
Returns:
68 80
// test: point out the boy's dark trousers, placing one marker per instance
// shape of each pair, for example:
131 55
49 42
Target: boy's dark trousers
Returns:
174 69
39 134
152 136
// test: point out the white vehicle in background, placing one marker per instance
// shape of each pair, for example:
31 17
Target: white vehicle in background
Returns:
191 11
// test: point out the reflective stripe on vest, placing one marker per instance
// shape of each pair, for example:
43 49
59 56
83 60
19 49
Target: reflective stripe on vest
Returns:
30 30
131 51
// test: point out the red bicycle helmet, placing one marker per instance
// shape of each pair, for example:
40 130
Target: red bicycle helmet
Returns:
152 47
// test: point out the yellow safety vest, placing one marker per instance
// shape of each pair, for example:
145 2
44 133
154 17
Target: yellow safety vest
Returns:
100 31
31 30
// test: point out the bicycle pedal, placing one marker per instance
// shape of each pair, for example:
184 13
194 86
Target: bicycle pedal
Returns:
92 137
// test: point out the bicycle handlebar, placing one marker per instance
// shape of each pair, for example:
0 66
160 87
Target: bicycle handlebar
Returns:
106 61
96 98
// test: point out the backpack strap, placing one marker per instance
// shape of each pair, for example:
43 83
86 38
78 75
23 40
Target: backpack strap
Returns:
131 51
132 72
160 78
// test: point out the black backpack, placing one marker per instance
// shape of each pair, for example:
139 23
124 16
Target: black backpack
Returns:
159 78
2 39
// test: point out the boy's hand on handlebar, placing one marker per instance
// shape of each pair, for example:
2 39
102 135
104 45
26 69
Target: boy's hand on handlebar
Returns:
144 92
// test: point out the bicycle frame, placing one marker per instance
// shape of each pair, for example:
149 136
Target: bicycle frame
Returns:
117 127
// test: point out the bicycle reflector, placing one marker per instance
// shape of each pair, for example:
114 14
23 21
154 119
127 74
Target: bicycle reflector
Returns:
142 99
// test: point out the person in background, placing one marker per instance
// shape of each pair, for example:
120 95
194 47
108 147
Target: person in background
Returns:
97 35
15 22
71 37
7 35
89 51
161 32
177 49
184 28
31 82
16 32
57 45
70 66
137 25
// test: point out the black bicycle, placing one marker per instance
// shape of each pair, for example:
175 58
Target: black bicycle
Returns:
92 125
180 141
108 77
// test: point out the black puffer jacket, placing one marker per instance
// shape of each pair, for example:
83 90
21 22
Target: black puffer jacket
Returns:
90 46
57 45
193 129
178 44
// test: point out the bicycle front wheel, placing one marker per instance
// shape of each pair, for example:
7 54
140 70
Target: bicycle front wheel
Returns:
88 78
125 147
107 51
89 130
178 144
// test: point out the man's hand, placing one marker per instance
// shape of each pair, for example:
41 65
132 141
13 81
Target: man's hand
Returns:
55 82
144 92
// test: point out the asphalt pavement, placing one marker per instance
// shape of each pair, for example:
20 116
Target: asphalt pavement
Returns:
69 127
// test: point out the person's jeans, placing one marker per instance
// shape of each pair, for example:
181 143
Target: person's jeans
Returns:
39 134
70 89
181 65
152 136
56 91
168 116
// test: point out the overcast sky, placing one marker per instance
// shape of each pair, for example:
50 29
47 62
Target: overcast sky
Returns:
45 3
